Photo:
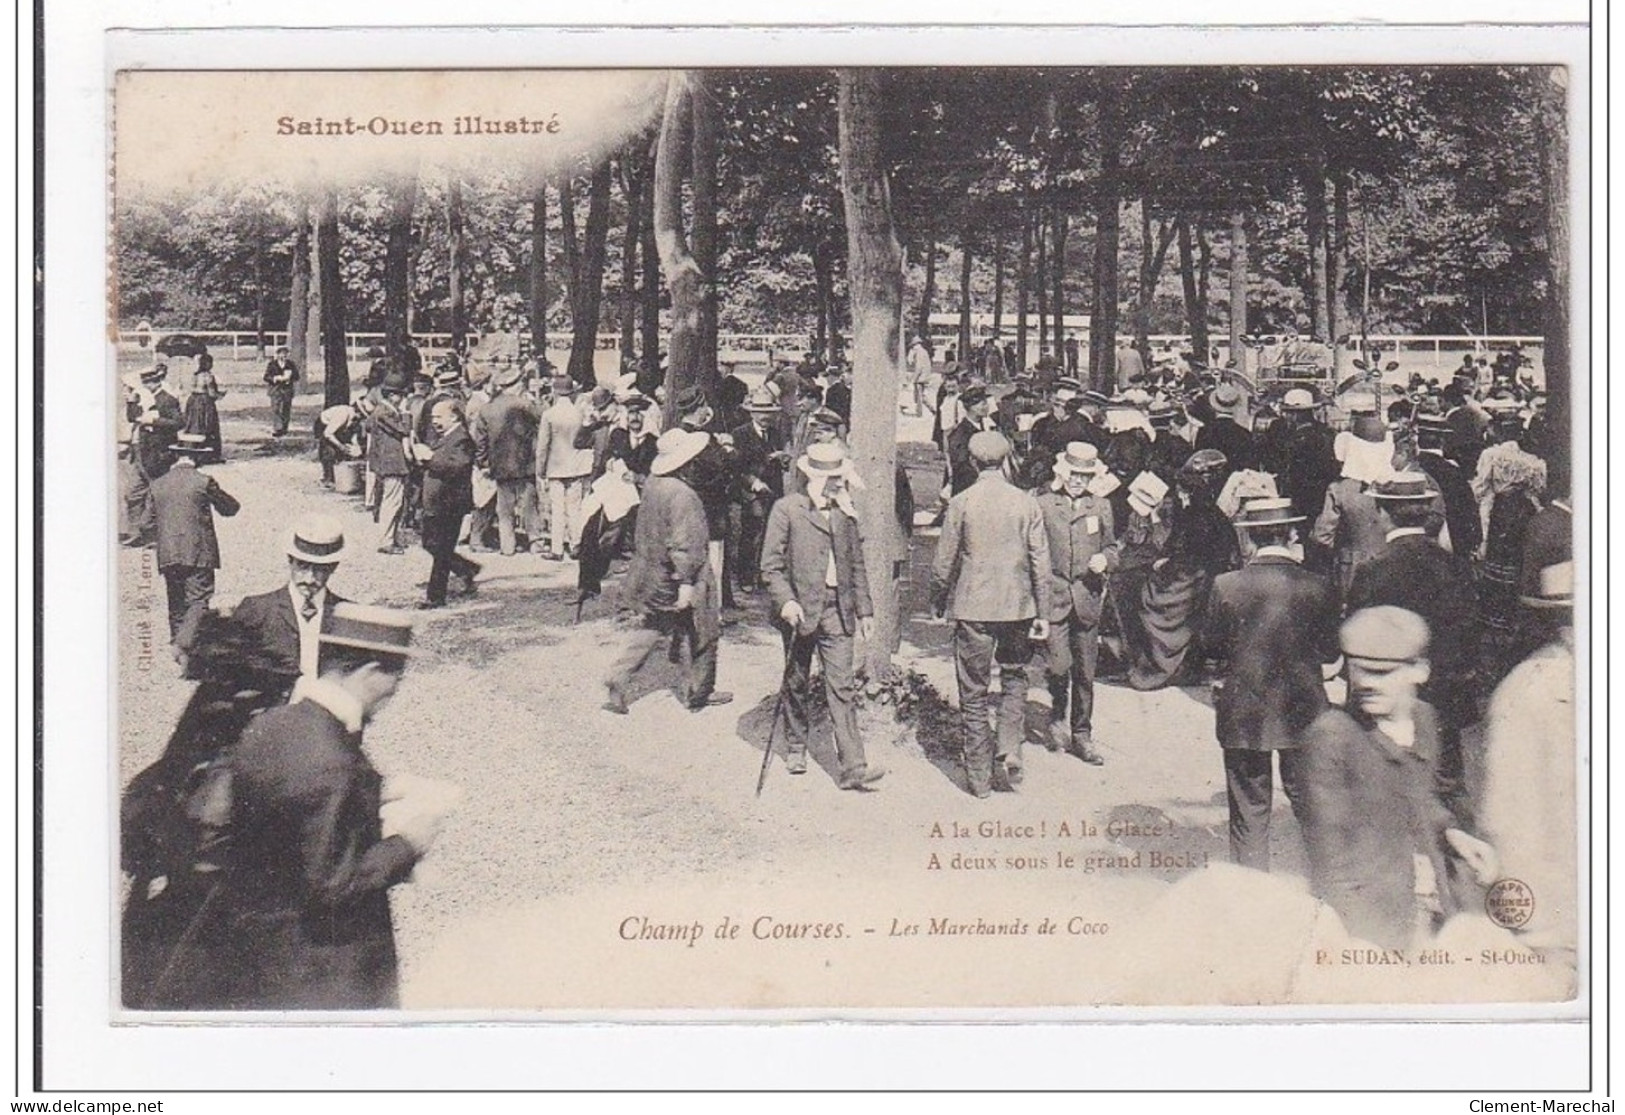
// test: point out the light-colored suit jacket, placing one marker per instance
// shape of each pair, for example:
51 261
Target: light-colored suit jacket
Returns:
993 560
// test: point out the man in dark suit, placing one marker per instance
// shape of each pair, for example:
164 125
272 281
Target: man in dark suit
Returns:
280 376
184 504
1226 433
504 435
302 918
448 495
992 570
1273 623
1460 507
287 622
759 481
812 560
1413 572
962 470
1081 536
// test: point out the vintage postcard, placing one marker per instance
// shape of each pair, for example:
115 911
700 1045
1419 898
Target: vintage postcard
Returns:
621 541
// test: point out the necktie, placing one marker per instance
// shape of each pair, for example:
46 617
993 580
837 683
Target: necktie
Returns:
307 609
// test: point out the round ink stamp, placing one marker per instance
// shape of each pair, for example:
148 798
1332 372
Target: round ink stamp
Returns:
1510 903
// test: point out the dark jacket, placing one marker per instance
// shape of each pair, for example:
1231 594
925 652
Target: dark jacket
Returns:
753 455
638 457
270 617
962 471
156 435
504 433
1414 573
671 551
1230 439
275 373
305 916
448 479
1460 508
184 500
1274 623
1371 807
795 557
1076 593
386 427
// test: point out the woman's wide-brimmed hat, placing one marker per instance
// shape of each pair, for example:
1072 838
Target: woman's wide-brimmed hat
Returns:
676 447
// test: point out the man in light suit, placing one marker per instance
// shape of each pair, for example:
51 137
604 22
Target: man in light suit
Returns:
504 434
812 561
1273 623
184 503
1081 536
287 621
563 468
992 571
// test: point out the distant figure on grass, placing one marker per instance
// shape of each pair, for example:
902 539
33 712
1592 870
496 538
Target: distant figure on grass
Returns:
281 373
202 415
812 561
185 502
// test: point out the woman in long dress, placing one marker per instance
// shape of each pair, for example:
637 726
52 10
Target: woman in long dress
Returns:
202 416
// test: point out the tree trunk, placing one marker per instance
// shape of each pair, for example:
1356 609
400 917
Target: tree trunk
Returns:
1314 191
1337 270
1041 274
632 191
1238 288
1195 303
875 279
930 293
824 276
682 273
965 260
259 284
1552 128
312 354
1108 197
1057 268
649 295
538 271
998 283
703 184
1153 254
454 265
1204 284
335 362
397 257
299 289
1024 269
588 287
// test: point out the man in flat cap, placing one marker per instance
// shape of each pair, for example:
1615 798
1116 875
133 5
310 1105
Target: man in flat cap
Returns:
1272 623
992 571
1380 836
185 502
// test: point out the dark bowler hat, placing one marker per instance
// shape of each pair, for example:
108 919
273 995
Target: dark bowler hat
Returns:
1384 634
973 394
1267 512
1403 487
385 631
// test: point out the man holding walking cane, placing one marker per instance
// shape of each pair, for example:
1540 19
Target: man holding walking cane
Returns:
812 562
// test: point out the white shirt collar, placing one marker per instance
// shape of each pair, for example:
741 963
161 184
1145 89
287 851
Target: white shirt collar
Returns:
1400 532
331 696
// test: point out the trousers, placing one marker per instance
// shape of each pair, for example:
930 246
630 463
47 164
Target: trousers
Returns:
281 407
657 626
1249 785
834 647
516 512
440 539
564 512
391 502
978 644
189 589
1074 651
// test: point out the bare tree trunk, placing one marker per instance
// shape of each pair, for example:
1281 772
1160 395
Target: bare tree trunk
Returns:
930 293
397 255
1153 254
998 283
312 354
1195 303
299 288
875 278
703 184
1023 277
1204 284
682 273
1041 274
1314 191
1108 198
824 276
538 270
649 294
1057 266
454 265
964 301
335 361
588 287
259 284
1552 89
1238 288
632 192
1337 270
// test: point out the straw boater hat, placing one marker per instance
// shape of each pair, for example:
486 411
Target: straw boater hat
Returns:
826 459
1384 635
1298 399
690 399
762 401
510 375
448 374
1403 487
1267 512
1146 492
1555 588
156 373
1226 398
1079 458
317 540
1161 412
1066 388
385 631
675 448
633 399
972 395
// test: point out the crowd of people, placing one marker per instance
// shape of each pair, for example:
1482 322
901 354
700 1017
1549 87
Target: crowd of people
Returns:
1181 531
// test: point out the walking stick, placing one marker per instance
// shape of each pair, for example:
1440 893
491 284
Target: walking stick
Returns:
778 709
